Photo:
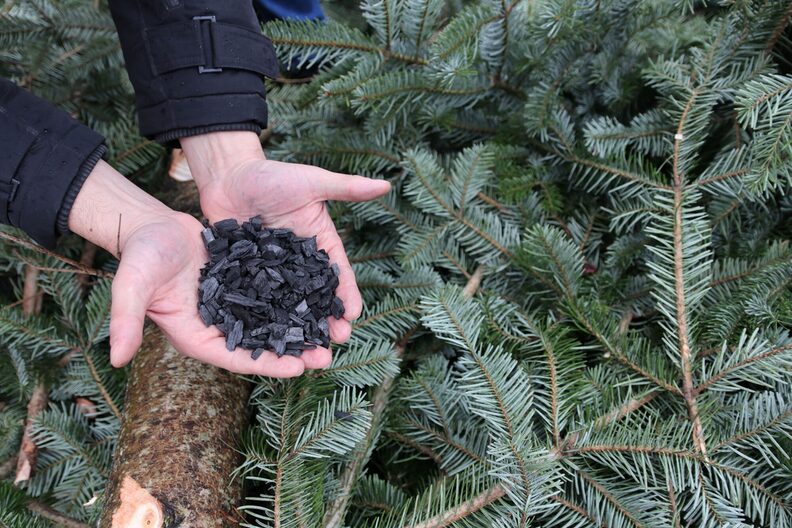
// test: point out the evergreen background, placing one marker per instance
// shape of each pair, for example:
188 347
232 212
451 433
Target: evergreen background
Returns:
578 300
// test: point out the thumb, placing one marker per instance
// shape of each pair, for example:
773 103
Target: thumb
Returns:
130 300
342 187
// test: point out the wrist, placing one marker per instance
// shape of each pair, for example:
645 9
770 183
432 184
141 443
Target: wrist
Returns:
217 155
109 209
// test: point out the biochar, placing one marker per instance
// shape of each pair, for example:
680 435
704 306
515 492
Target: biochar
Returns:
267 289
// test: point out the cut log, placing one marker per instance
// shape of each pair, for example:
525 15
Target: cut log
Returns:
177 445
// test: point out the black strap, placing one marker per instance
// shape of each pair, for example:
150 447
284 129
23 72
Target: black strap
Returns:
210 46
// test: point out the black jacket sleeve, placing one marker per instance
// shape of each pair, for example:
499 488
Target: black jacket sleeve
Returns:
197 65
45 157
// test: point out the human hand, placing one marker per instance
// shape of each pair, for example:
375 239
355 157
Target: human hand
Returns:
236 180
161 253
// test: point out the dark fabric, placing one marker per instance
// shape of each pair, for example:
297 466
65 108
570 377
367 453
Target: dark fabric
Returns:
289 9
194 64
42 151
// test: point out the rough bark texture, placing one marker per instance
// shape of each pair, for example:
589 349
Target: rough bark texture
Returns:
176 449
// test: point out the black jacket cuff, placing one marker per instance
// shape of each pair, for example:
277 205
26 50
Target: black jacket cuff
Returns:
195 64
43 151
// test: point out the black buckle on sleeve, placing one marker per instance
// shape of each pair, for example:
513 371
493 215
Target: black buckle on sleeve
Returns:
207 41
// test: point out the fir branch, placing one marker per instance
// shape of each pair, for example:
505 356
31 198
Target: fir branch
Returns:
51 514
100 385
421 448
334 517
779 29
621 508
465 509
704 385
685 355
73 263
629 406
28 450
577 509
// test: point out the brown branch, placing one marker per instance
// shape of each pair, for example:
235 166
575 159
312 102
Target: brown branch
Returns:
720 375
610 498
406 440
685 354
87 259
779 29
32 296
28 451
473 505
629 406
73 263
51 514
673 503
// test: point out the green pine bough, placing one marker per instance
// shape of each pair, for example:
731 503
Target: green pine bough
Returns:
578 301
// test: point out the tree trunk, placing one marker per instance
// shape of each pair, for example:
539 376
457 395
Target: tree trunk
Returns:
176 449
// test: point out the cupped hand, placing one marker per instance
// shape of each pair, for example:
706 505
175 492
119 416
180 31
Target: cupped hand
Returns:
285 195
158 277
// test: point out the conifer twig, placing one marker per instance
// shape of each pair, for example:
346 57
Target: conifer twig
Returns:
468 507
44 251
51 514
685 354
334 517
26 461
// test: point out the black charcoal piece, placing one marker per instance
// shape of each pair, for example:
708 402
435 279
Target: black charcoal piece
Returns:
208 289
242 249
260 330
218 246
225 227
294 335
207 236
337 308
278 346
206 316
234 337
240 299
275 275
309 247
267 289
301 308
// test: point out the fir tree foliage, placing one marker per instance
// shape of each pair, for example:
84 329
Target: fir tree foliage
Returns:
618 172
577 294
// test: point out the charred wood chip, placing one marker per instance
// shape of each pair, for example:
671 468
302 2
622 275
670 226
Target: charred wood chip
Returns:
226 227
208 289
242 249
206 315
267 289
207 235
234 337
337 308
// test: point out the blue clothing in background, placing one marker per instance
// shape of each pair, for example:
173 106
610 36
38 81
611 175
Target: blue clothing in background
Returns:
289 9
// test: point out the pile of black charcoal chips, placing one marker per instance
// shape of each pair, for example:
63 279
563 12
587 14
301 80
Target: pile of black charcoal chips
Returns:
267 289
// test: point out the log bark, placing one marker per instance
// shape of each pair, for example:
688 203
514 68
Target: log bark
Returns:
176 449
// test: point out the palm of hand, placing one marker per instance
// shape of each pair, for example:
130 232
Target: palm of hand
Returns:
293 196
158 276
